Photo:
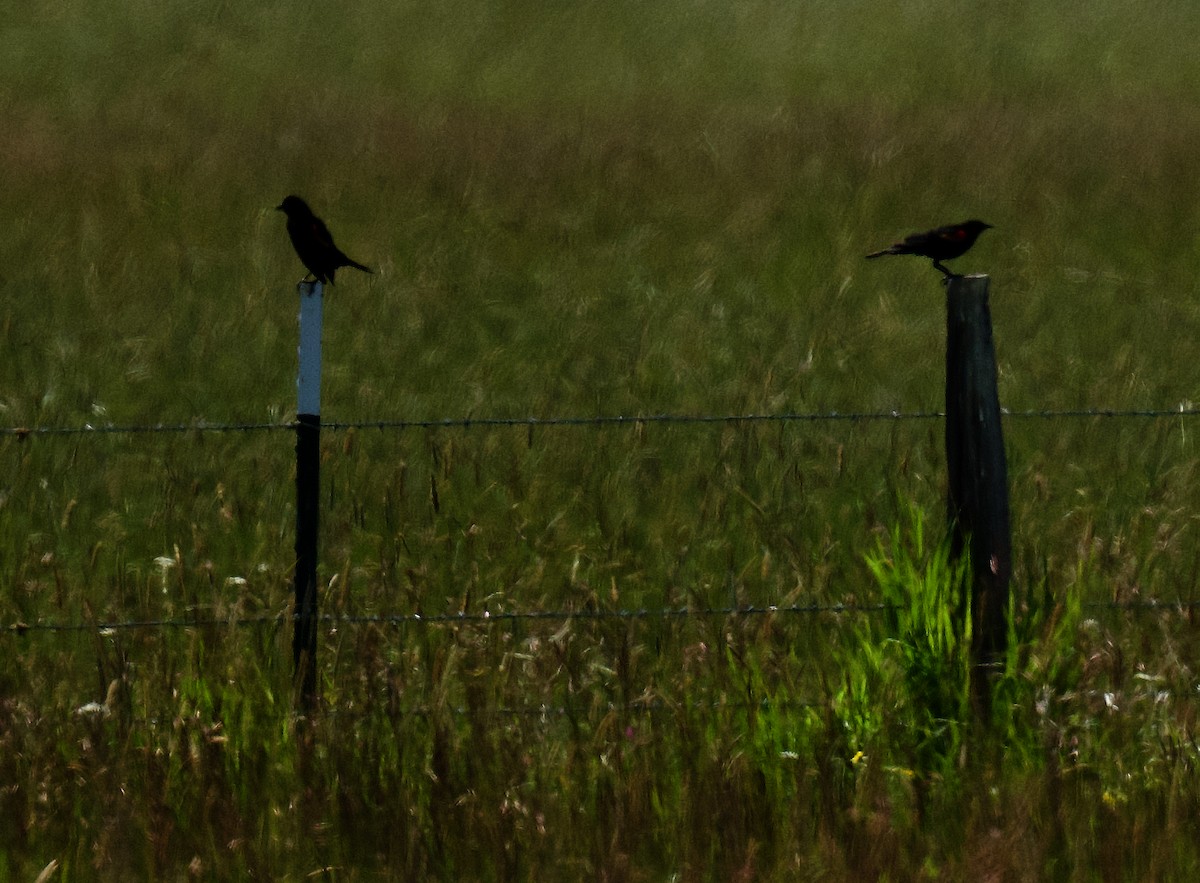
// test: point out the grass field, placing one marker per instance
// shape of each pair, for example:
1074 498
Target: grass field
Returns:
581 209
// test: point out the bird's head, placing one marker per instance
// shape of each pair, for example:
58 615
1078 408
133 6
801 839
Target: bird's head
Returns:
975 227
294 206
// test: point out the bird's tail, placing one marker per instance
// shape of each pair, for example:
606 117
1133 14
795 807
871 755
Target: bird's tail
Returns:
356 265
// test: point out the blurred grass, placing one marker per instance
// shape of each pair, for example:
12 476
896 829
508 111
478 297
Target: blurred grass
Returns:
585 208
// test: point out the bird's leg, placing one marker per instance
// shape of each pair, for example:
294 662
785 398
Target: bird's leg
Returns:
945 272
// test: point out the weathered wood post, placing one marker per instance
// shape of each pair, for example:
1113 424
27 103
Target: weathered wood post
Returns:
978 497
308 470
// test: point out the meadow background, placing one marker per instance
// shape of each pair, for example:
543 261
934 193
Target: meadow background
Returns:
578 209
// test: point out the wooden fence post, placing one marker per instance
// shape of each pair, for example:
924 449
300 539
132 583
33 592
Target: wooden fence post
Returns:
978 487
308 466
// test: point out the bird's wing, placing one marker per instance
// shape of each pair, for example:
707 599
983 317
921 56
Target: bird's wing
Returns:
953 234
320 233
916 241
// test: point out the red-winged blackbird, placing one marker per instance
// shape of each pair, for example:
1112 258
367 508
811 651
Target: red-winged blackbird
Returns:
311 239
941 244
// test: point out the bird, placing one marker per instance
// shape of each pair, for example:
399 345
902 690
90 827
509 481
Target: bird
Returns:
941 244
311 239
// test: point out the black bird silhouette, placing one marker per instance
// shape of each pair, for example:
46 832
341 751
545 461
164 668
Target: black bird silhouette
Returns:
311 239
942 244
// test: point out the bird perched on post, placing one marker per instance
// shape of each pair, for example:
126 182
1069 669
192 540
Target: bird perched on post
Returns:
311 239
942 244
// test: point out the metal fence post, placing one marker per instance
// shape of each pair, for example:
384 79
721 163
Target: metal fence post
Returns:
308 466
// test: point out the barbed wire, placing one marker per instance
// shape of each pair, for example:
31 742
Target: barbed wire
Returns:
489 618
202 426
465 618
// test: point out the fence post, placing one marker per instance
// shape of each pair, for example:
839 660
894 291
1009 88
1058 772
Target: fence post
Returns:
978 474
308 466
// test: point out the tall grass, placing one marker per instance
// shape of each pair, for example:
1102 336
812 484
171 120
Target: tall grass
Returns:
589 209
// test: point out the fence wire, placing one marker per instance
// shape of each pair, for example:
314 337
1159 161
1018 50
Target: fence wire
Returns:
490 618
487 618
201 426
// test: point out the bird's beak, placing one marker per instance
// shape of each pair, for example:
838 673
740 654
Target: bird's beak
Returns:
278 208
